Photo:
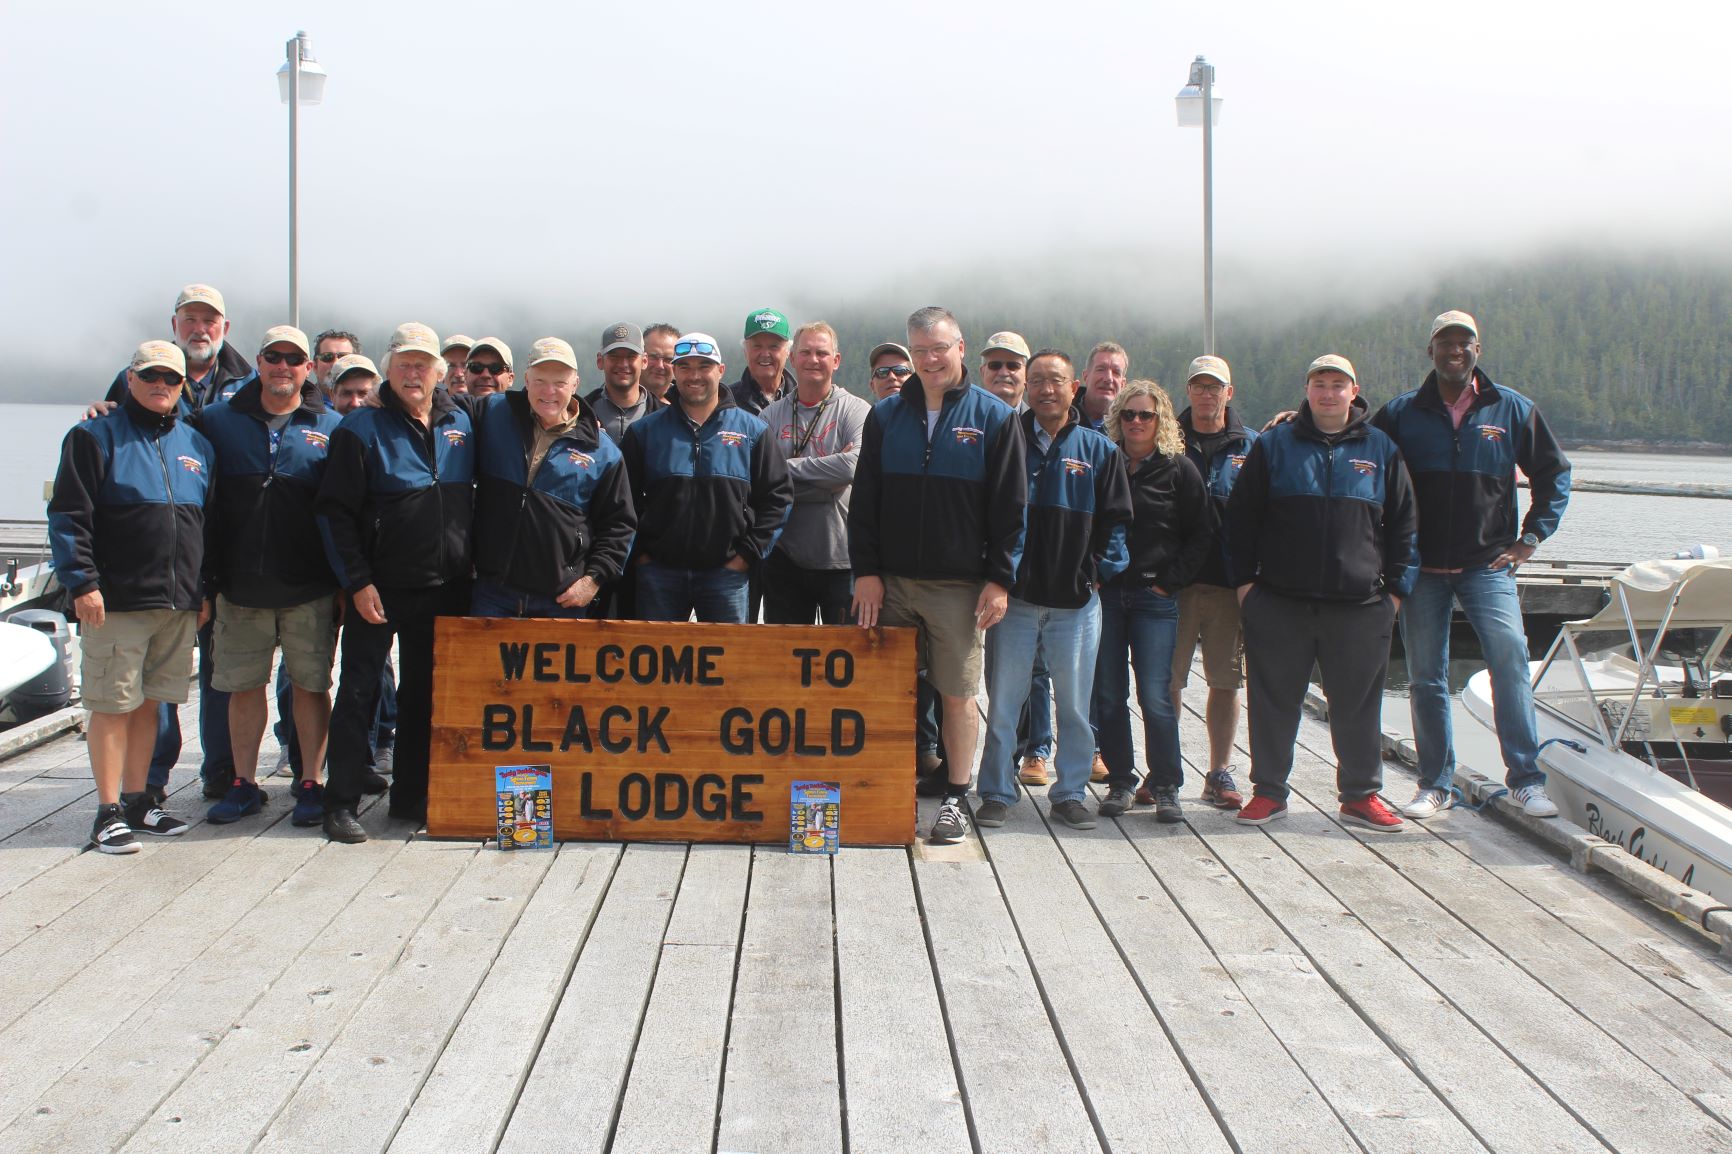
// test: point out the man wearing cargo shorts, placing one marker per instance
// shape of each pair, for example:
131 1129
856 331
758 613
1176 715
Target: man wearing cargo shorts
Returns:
126 527
267 568
1217 443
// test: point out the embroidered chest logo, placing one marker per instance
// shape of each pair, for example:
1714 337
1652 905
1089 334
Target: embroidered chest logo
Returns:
315 438
1075 467
581 460
455 436
191 464
1237 460
1363 467
966 435
731 439
1493 433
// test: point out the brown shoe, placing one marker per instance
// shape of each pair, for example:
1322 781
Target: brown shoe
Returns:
1143 796
1099 772
1034 771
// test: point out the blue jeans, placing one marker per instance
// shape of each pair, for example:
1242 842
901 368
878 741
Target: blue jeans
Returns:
1489 600
668 594
1138 628
1034 727
491 599
1068 639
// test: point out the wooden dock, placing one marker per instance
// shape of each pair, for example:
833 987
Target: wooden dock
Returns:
1138 988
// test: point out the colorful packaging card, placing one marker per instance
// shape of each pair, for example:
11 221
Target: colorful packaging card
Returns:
525 796
814 817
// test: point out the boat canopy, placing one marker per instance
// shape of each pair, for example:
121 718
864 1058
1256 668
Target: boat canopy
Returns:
1703 590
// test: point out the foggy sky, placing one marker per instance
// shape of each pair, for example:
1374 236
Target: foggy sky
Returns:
487 167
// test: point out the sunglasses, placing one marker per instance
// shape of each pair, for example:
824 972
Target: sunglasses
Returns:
897 371
160 376
694 349
1000 366
485 368
272 357
1136 415
329 358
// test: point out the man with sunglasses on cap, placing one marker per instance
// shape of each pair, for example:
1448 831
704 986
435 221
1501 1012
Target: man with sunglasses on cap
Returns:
395 509
890 365
711 491
622 398
266 568
455 350
767 342
126 528
488 369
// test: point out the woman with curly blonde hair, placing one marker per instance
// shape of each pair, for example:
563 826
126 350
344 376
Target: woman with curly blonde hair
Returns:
1172 530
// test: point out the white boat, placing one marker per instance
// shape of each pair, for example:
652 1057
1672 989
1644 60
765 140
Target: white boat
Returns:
24 654
1634 707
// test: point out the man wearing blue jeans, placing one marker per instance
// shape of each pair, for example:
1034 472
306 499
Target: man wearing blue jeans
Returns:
1464 437
711 491
1079 504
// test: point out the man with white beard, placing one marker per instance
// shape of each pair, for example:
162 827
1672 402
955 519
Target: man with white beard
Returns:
200 328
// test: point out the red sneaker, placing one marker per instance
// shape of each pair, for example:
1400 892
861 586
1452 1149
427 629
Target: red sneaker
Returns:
1372 813
1261 811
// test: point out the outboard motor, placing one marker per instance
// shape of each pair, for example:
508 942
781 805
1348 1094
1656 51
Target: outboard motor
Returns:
53 689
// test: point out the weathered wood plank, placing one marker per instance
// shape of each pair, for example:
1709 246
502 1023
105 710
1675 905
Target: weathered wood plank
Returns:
685 1028
572 1095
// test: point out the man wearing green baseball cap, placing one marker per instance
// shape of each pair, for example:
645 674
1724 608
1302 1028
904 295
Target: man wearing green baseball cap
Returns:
767 342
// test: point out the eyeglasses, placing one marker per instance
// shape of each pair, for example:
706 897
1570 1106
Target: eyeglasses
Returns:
1000 366
1136 415
329 358
1201 386
485 368
932 350
659 359
694 349
897 371
160 376
272 357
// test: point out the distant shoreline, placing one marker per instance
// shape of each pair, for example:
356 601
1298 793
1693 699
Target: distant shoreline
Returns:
1694 448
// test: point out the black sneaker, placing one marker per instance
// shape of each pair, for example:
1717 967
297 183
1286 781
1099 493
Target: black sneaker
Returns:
1117 803
144 815
110 833
951 825
217 788
934 784
342 825
991 813
1167 808
1073 814
157 793
374 783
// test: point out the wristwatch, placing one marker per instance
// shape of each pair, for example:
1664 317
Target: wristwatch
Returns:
1530 540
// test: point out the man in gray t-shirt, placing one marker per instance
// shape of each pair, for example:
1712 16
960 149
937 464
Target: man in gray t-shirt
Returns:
622 399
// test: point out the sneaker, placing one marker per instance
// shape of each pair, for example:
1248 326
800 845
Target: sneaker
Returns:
242 799
282 768
1034 771
1534 801
383 758
157 793
1167 807
1372 813
1073 814
1099 772
991 813
110 833
1143 796
309 804
342 825
1220 791
144 815
372 782
217 788
1117 803
1427 802
1261 811
928 763
951 825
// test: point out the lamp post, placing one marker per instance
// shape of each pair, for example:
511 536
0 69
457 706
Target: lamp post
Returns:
1197 95
299 81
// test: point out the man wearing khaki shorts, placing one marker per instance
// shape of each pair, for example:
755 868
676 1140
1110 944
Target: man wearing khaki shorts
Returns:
1217 442
126 527
268 571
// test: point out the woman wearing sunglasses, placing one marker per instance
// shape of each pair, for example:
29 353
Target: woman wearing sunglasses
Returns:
1172 530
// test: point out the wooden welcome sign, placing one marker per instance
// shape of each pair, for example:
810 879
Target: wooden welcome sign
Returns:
673 731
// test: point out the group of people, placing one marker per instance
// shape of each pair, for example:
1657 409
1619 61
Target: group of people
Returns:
1050 525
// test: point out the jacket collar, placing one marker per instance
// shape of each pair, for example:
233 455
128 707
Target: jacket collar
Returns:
1231 426
1031 425
1431 397
1358 418
585 428
914 393
151 422
249 398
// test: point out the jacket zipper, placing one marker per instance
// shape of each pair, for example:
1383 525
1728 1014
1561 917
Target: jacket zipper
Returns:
173 520
1328 515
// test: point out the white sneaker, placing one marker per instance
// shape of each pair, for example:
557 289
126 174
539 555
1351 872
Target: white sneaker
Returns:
384 759
1534 801
1427 802
282 768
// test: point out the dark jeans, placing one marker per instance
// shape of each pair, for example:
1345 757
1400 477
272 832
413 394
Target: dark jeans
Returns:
668 594
213 727
491 599
928 718
796 596
1138 629
1349 643
409 615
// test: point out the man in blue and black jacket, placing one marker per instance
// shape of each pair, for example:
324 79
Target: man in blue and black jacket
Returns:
1464 438
127 529
1079 504
1320 546
711 491
553 511
395 508
935 530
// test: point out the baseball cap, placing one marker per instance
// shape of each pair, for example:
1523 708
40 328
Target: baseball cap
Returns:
768 321
1455 319
1207 366
285 335
621 336
352 362
497 345
200 294
413 337
456 341
1008 342
701 346
1335 362
159 355
890 347
552 349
